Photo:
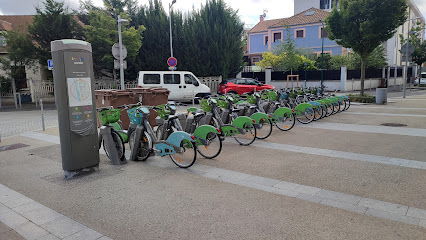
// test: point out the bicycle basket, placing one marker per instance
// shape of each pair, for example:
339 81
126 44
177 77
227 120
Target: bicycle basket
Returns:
251 99
109 116
273 95
134 116
163 111
205 105
223 103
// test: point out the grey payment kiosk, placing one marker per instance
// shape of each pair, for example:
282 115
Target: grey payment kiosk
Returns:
75 100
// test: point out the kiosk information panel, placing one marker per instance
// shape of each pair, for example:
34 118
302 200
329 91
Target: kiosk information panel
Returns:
75 100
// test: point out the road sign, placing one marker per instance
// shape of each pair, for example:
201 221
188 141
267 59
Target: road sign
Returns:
116 51
410 58
410 48
50 64
172 61
117 64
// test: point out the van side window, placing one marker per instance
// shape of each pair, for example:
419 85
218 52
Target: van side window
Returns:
189 79
171 79
151 78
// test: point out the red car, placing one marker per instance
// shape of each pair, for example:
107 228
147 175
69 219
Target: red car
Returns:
241 85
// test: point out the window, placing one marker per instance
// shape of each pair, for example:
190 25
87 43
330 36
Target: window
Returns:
277 37
189 79
300 33
324 4
310 13
241 81
151 78
171 79
255 60
323 32
266 40
252 82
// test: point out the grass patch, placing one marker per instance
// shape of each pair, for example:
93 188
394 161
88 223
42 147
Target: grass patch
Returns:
362 99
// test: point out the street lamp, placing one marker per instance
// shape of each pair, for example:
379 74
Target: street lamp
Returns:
404 84
322 52
170 23
120 45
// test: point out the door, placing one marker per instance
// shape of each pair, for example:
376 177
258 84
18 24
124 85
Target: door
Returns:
190 90
173 83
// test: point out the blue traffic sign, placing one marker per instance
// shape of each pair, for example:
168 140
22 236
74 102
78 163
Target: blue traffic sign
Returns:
50 64
172 61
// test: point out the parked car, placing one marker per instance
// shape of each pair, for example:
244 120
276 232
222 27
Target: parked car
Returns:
422 79
241 85
183 85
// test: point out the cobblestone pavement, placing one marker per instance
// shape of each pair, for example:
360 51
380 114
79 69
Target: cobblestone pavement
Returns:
17 122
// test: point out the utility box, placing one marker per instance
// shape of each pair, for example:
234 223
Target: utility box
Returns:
75 100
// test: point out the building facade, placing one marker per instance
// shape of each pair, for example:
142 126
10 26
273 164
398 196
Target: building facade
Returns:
305 28
393 45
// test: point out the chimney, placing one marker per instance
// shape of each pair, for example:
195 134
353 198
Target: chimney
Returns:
261 18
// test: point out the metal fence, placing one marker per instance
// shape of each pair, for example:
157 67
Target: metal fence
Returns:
211 82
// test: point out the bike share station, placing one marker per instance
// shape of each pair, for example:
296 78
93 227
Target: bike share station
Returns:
75 100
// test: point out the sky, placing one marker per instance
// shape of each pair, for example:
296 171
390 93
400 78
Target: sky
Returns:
249 10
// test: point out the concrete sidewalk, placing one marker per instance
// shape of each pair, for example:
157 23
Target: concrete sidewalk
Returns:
332 179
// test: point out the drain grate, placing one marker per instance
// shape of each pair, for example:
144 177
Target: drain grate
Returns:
393 124
12 146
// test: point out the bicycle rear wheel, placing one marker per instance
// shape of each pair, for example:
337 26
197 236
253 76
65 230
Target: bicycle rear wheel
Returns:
265 129
307 116
249 135
118 144
186 158
213 147
287 123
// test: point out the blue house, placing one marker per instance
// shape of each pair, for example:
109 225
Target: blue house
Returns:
306 28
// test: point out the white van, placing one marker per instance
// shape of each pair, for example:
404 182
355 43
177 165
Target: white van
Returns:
183 85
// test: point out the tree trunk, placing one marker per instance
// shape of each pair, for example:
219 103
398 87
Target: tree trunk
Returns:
362 76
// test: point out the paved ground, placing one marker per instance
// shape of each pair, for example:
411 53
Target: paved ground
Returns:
344 177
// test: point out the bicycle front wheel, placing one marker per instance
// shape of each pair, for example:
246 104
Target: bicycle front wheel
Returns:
265 128
287 123
118 144
249 135
144 147
213 147
187 155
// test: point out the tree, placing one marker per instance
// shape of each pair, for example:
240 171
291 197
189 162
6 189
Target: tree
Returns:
54 22
363 24
377 59
419 54
102 33
270 60
291 60
21 56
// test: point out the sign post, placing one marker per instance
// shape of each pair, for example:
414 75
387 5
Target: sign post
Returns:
172 62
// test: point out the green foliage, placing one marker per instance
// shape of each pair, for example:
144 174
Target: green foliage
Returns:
363 24
338 61
21 55
52 22
377 59
362 98
270 60
207 42
291 59
102 33
326 61
419 54
155 45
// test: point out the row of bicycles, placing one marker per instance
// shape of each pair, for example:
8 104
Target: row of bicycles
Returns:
244 118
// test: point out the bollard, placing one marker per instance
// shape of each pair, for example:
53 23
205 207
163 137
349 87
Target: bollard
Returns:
193 100
42 114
